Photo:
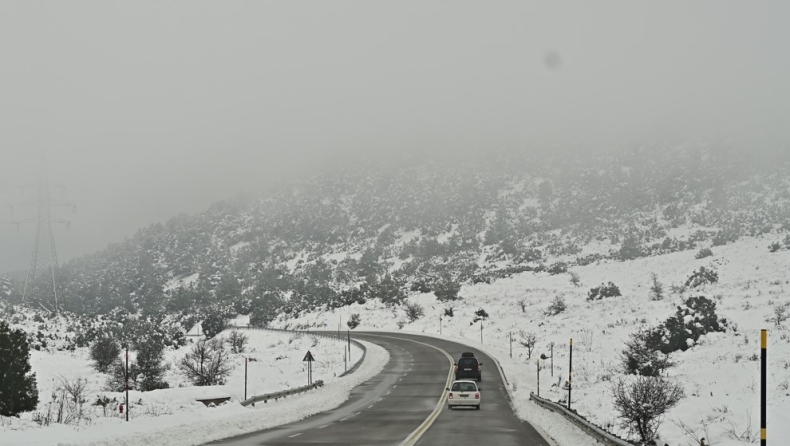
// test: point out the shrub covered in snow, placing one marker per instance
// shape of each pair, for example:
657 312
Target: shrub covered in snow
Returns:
702 276
642 355
354 321
557 306
702 253
605 290
695 318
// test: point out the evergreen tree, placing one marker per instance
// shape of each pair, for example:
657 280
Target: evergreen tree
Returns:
214 323
104 352
388 290
447 288
264 309
17 384
150 365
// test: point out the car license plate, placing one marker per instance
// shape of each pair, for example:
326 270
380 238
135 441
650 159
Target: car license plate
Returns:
464 396
467 369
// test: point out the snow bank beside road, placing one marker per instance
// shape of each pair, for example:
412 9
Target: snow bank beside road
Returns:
191 423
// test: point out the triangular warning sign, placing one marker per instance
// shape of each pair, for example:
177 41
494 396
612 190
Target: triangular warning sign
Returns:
308 356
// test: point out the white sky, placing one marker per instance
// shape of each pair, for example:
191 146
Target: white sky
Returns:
147 109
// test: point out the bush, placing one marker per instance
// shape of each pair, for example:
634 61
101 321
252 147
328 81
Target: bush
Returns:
702 253
702 276
642 355
414 311
447 289
642 404
213 324
264 310
354 321
695 318
449 312
480 315
656 288
557 268
237 341
557 306
388 290
104 353
207 364
600 292
17 384
575 279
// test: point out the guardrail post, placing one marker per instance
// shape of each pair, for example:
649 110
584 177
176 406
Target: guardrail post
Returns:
537 362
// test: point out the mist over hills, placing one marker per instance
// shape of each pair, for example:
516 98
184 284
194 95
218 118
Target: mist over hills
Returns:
418 222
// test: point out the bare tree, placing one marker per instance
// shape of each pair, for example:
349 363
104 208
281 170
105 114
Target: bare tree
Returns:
528 340
207 363
238 341
575 279
523 304
643 402
414 311
656 288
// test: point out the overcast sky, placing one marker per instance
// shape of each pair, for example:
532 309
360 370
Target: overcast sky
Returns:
149 109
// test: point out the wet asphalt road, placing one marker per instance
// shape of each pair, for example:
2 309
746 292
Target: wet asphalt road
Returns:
386 409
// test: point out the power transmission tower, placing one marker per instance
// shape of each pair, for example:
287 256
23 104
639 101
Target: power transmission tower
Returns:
42 281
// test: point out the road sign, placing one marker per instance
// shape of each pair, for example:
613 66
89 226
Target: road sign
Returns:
308 357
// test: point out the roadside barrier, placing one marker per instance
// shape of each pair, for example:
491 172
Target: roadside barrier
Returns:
281 394
597 432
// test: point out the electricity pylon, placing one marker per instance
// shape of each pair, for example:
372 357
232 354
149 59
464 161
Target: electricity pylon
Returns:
41 282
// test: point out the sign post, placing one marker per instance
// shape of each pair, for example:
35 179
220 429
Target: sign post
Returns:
309 358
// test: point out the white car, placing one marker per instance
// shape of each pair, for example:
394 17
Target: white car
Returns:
463 394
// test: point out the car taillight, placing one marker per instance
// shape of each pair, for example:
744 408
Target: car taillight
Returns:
480 367
477 396
456 368
451 396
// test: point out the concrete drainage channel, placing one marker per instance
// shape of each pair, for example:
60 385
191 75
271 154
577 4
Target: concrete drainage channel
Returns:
590 429
284 393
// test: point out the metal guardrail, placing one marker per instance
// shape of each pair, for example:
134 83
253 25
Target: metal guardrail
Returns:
597 432
281 394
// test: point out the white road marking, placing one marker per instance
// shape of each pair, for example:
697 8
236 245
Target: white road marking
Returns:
370 407
323 426
295 435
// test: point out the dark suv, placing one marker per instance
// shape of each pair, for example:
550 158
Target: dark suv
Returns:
468 367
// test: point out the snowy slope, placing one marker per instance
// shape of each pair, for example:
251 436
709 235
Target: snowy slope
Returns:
720 374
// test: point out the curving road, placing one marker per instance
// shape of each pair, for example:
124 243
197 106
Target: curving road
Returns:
392 407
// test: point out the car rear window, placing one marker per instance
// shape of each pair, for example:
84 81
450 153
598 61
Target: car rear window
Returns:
467 362
464 387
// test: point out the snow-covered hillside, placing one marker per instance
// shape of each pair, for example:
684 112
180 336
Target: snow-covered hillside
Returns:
721 374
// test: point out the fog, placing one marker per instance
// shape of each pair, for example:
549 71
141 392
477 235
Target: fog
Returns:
149 109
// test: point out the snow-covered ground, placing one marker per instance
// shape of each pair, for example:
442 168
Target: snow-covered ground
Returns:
174 417
721 375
